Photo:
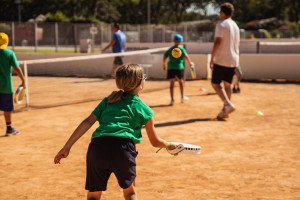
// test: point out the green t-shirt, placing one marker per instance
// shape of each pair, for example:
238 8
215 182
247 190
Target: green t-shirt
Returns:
122 119
175 63
7 61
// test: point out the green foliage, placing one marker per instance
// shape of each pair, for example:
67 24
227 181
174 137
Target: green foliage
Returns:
295 28
57 17
136 11
5 28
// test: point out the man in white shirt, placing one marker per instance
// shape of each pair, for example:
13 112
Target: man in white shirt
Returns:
225 57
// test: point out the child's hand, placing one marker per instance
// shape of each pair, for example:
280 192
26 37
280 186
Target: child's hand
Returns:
164 66
192 64
63 153
172 147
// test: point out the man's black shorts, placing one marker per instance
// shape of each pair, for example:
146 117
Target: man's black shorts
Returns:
6 102
172 73
118 60
106 155
221 73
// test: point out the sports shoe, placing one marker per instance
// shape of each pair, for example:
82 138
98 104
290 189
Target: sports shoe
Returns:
172 103
225 111
12 131
238 90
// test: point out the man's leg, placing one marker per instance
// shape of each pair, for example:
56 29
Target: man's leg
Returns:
112 73
180 81
172 83
94 195
130 192
227 87
228 106
220 92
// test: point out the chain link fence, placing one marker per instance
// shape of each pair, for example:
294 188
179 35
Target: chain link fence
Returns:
71 35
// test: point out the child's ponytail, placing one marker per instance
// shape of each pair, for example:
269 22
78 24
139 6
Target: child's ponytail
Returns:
116 96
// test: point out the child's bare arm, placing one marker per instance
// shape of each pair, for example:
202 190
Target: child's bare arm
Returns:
154 139
20 74
189 60
164 63
84 126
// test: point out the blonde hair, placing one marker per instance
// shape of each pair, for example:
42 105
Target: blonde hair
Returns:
128 78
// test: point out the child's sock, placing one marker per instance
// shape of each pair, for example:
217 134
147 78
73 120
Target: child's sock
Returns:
8 125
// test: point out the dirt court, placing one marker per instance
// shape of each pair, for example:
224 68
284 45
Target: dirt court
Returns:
245 157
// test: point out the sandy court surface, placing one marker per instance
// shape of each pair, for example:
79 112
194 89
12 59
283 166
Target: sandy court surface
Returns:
245 157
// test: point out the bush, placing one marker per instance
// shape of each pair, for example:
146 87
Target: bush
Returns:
57 17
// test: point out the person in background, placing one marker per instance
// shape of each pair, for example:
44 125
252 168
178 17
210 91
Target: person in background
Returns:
225 57
118 45
175 66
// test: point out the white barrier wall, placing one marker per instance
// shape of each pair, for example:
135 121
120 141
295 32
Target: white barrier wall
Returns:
254 66
271 66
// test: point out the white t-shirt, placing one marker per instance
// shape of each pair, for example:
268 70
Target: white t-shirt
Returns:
228 53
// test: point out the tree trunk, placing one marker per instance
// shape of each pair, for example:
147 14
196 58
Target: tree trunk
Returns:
95 7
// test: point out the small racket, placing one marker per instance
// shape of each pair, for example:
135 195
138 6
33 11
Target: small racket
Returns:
193 73
20 94
183 148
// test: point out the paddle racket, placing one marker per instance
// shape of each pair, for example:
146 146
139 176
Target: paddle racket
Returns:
193 73
20 94
183 148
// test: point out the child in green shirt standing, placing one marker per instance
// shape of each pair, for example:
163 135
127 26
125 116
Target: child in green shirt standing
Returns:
121 116
175 66
8 61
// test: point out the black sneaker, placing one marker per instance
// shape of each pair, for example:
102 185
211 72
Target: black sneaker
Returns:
234 90
12 131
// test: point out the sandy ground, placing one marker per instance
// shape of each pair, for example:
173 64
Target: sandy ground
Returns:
245 157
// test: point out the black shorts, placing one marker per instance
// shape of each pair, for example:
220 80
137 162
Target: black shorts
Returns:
6 102
221 73
175 72
118 60
108 155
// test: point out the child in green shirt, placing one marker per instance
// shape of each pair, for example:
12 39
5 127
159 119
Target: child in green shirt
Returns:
121 116
176 66
8 61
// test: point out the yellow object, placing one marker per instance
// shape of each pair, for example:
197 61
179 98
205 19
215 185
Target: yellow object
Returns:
3 41
258 112
176 52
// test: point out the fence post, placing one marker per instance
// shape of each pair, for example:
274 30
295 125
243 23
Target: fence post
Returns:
163 33
258 50
13 35
56 36
35 37
75 37
185 33
139 31
101 36
26 83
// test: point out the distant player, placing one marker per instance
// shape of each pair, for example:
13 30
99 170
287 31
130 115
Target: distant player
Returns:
175 65
118 45
225 57
8 61
121 116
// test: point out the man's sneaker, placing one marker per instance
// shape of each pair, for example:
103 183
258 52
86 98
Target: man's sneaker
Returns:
225 111
172 103
12 131
236 90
